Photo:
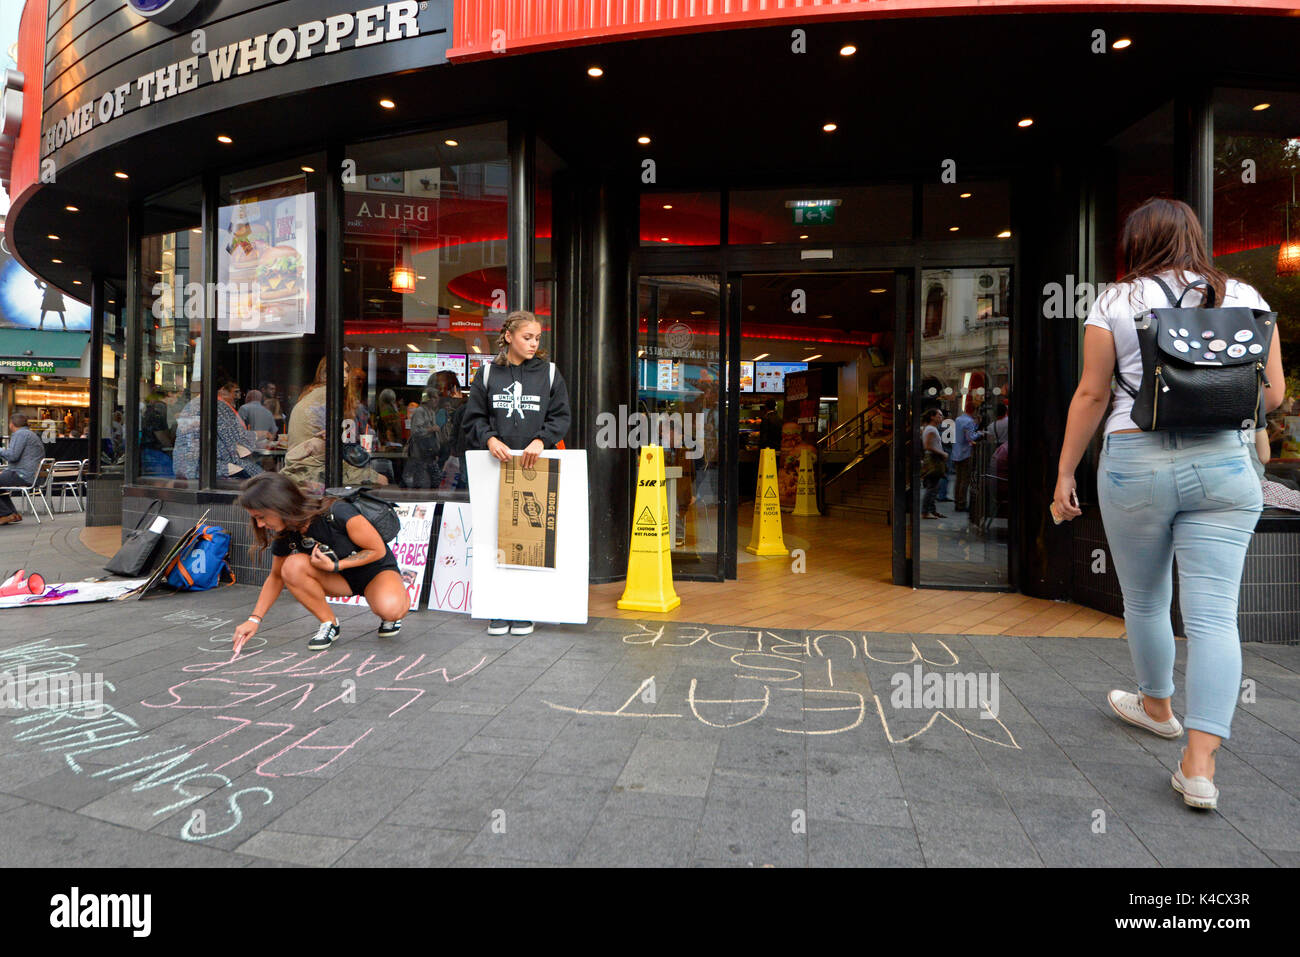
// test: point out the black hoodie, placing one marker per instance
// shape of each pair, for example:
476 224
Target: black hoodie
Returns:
524 404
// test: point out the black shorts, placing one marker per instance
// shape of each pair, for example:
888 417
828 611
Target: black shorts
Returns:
359 578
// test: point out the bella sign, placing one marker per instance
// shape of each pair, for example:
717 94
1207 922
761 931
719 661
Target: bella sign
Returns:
377 24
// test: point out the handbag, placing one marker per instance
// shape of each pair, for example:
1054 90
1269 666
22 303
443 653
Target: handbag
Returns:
1202 367
134 555
378 512
934 466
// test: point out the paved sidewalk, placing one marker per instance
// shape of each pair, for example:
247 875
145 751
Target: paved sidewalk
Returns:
616 743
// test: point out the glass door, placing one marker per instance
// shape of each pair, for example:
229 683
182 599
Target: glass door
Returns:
679 386
962 403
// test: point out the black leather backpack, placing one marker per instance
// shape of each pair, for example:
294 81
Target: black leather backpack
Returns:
1202 367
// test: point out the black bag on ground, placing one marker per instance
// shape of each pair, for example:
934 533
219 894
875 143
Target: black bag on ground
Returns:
133 557
1202 367
379 513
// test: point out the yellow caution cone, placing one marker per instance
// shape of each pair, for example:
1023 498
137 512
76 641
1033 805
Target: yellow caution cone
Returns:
766 537
805 497
649 565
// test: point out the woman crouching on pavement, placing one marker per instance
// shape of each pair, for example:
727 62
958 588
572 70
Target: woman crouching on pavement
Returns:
319 546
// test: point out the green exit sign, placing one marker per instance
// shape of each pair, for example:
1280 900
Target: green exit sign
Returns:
813 212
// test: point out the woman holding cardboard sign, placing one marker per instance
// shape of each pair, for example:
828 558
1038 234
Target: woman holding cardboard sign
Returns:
517 401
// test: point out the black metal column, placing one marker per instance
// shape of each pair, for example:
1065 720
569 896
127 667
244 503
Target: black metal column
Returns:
1194 154
96 372
208 339
333 317
520 229
134 338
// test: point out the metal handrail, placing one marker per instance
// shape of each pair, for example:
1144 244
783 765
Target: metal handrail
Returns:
857 427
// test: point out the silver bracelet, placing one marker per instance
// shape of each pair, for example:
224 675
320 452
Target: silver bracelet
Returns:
254 618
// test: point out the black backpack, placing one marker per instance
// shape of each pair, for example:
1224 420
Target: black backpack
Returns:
1202 367
378 512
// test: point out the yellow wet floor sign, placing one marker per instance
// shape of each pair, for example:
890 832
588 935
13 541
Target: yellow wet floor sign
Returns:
649 564
766 537
805 497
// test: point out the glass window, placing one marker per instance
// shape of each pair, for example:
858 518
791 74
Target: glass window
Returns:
977 210
820 215
424 297
681 219
170 414
1135 166
965 375
1257 233
269 367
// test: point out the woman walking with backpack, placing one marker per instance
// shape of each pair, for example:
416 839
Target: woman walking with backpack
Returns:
517 401
1188 493
319 546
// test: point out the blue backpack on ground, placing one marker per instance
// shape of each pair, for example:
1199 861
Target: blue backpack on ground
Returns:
201 564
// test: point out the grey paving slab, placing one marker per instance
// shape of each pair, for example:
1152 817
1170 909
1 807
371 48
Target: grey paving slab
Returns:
1191 846
311 850
590 748
390 845
754 759
618 839
956 836
520 747
463 794
353 803
639 802
427 742
670 766
834 844
854 789
545 818
751 827
1070 831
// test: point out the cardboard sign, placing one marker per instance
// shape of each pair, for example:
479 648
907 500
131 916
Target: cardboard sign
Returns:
452 585
526 512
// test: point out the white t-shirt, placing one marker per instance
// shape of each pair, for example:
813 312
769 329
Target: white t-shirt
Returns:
1114 311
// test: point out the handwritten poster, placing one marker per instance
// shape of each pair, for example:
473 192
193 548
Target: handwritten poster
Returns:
410 548
451 587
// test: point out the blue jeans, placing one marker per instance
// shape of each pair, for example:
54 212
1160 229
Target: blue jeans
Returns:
1193 495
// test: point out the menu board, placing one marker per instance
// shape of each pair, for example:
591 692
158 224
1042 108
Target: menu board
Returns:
476 363
421 365
266 261
670 375
770 376
746 376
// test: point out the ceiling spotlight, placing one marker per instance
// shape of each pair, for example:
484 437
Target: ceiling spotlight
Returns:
878 291
1005 234
1026 122
307 169
223 138
965 195
76 282
1121 44
595 71
120 175
848 50
830 127
697 312
643 140
421 277
668 205
196 230
811 358
1261 106
388 104
763 356
72 209
663 239
456 306
953 229
52 236
58 261
451 142
803 235
824 315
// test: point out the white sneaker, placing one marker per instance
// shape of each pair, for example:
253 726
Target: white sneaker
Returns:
1197 792
1129 707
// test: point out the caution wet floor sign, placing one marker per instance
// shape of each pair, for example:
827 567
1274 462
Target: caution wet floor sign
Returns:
766 538
649 564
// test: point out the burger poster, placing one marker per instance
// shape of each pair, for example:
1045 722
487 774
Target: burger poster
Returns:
266 263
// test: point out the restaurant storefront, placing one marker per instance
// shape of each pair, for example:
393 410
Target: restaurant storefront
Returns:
892 214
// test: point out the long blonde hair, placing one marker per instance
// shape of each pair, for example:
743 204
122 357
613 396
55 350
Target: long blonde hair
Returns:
513 321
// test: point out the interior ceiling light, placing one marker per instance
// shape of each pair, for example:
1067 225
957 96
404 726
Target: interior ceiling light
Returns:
412 347
811 358
668 205
824 315
421 277
1005 234
196 230
76 282
830 127
1123 43
803 235
120 175
878 291
52 236
402 279
451 142
58 261
1026 122
663 239
1261 106
72 209
643 140
848 50
763 356
595 71
388 104
223 138
456 306
965 195
307 169
953 229
697 312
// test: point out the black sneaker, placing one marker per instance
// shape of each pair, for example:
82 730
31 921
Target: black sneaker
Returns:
521 628
498 626
390 629
325 635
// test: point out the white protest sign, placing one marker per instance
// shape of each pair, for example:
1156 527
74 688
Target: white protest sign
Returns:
452 582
